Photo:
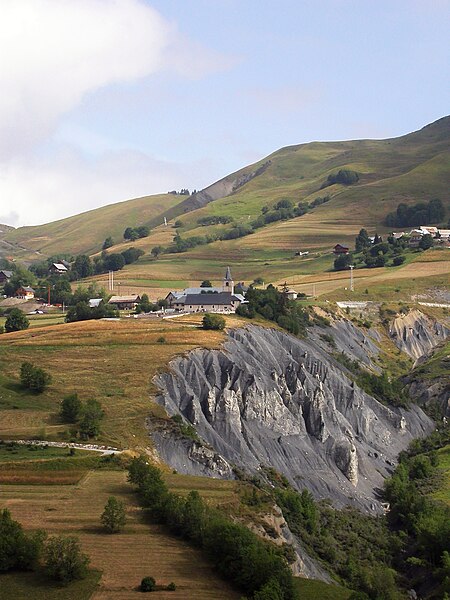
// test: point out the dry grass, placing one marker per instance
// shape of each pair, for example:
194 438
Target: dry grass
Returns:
113 362
141 549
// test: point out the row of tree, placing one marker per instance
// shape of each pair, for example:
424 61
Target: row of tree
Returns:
256 567
422 213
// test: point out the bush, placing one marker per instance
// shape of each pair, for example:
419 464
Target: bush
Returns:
148 584
64 560
212 321
34 378
398 260
161 340
16 321
171 587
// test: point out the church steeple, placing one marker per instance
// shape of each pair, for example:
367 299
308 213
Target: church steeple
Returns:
228 283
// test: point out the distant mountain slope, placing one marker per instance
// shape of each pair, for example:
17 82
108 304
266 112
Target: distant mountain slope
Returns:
85 233
411 168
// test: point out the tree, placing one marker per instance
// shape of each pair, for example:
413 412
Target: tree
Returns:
108 243
206 283
342 262
64 560
211 321
71 408
128 233
362 240
17 550
92 414
143 231
114 262
426 242
83 266
156 251
16 321
131 255
34 378
398 260
113 517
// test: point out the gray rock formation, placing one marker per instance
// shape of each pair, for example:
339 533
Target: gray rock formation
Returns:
268 398
417 334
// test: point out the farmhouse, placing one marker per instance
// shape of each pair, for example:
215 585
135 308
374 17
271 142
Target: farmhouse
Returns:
414 237
57 269
339 249
5 276
25 293
125 302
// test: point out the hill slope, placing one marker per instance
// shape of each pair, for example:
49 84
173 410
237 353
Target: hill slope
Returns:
411 168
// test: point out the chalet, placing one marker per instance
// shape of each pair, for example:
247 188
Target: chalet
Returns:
125 302
5 276
339 249
25 293
414 237
58 269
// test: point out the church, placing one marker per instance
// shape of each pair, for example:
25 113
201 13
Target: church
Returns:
213 299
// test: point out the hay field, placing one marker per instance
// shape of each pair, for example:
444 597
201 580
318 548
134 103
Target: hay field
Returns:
141 549
111 361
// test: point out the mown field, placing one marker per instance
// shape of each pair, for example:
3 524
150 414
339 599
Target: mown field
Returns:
111 361
124 559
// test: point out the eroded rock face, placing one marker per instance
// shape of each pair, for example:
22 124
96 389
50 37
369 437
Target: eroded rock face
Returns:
268 398
417 334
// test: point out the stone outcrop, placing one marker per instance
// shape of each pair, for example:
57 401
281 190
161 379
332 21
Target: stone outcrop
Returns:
268 398
417 334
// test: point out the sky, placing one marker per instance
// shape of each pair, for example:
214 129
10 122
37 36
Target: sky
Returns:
105 100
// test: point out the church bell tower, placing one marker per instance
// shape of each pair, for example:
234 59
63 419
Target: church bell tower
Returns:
228 283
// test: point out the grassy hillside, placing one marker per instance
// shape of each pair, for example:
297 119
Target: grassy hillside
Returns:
408 169
85 233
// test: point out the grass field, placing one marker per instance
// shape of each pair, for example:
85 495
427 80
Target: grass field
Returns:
310 589
36 586
112 361
124 559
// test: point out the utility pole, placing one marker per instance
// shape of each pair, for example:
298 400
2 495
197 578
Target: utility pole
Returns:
351 277
48 295
314 290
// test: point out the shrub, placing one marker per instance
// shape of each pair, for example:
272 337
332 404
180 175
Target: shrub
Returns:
64 560
212 321
34 378
16 321
171 587
148 584
161 340
398 260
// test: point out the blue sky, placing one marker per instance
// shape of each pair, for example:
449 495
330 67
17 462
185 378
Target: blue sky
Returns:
105 100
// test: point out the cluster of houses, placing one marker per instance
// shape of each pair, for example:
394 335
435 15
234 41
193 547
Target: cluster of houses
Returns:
221 299
26 292
440 236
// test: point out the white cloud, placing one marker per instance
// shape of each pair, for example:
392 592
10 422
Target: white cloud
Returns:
47 189
53 53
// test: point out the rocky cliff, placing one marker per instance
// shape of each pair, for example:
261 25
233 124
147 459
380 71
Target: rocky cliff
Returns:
417 334
268 398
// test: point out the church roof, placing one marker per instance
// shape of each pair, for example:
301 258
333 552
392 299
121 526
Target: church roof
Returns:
211 299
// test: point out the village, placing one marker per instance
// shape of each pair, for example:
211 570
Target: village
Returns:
206 298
